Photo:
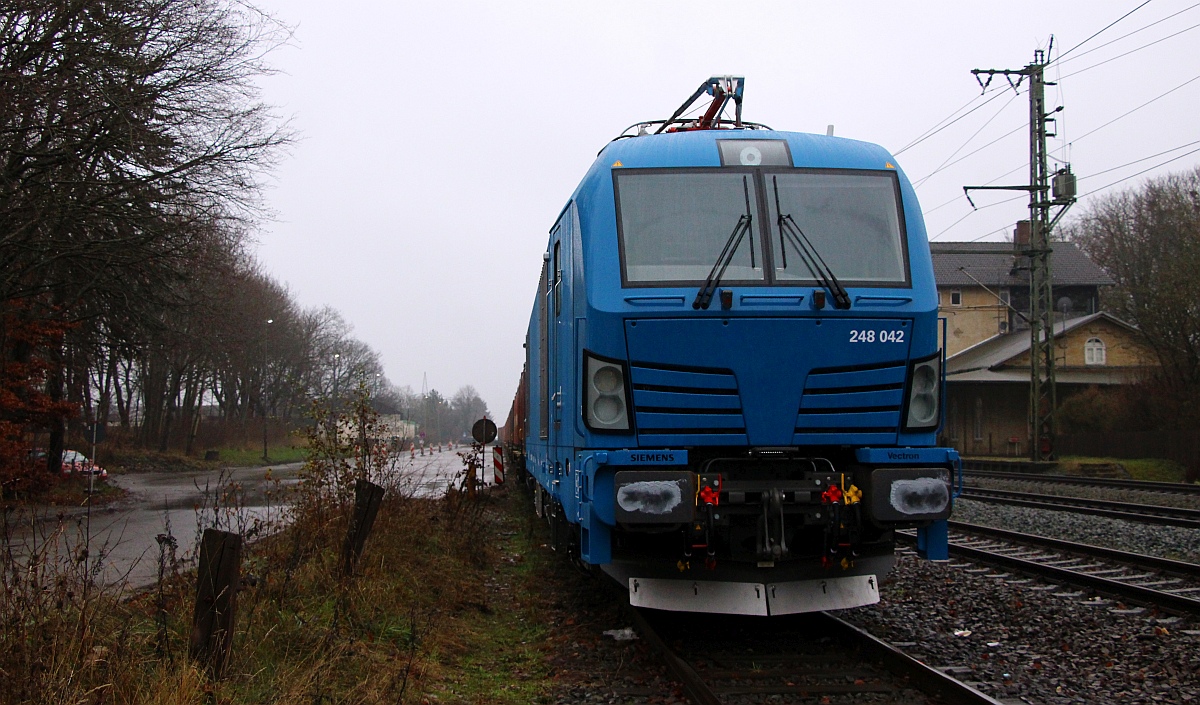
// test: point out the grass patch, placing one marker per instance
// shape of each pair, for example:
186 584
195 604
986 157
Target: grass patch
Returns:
434 611
132 460
1148 469
251 457
499 652
128 460
73 492
449 603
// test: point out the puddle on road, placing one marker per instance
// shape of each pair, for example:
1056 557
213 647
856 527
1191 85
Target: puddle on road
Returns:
127 533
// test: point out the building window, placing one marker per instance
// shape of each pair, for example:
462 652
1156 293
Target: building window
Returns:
1005 296
1093 352
979 418
956 298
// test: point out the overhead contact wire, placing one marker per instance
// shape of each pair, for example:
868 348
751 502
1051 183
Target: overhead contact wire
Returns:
929 134
1102 31
986 183
1193 79
939 123
971 212
945 166
1137 161
982 127
994 232
1082 178
1143 171
1132 51
1123 36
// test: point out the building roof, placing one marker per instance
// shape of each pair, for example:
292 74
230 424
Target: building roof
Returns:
984 362
975 263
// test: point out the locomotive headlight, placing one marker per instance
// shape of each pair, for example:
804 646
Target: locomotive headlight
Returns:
750 156
924 394
605 407
608 379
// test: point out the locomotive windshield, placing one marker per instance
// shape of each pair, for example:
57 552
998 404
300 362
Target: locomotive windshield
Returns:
674 223
852 220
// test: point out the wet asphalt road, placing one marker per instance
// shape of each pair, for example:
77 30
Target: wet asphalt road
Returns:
124 533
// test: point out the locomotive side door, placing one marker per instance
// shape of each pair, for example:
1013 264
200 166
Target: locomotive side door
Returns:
563 355
554 336
558 332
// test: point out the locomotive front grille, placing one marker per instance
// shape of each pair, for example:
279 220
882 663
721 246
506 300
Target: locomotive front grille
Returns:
698 406
851 405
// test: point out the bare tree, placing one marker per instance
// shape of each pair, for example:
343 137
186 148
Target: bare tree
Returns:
1148 240
467 407
132 143
132 139
131 130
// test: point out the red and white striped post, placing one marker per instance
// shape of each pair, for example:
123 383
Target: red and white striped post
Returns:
498 464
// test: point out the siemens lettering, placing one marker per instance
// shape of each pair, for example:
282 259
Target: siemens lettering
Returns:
652 457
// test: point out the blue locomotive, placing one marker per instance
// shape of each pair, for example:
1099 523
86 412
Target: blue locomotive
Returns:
733 382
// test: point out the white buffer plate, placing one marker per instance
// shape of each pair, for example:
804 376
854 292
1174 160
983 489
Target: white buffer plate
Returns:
754 598
826 594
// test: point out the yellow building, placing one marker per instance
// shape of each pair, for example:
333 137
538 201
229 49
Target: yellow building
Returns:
983 288
987 385
983 291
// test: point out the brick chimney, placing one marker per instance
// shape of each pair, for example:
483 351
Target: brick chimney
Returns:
1021 235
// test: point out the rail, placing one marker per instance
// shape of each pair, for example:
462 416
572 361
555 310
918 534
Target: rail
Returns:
1145 485
1129 511
1121 574
783 674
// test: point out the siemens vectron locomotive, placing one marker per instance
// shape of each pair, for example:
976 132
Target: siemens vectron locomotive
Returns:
733 380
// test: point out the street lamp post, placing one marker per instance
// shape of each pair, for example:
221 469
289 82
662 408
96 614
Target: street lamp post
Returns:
262 403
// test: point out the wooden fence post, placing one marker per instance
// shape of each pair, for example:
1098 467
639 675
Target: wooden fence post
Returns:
219 570
367 497
474 466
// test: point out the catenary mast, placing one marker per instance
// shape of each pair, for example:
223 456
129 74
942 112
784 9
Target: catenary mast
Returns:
1044 193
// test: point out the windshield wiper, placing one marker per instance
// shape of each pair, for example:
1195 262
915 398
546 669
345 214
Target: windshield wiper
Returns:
808 253
704 296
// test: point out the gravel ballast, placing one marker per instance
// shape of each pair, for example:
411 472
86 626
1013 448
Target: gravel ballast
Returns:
1029 641
1018 639
1165 541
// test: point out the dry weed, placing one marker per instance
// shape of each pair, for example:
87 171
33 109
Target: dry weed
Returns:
305 631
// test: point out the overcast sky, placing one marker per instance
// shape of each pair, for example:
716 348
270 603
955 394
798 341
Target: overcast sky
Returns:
440 140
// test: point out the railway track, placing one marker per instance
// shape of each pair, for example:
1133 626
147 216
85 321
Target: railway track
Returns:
722 660
1145 513
1167 584
1172 488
